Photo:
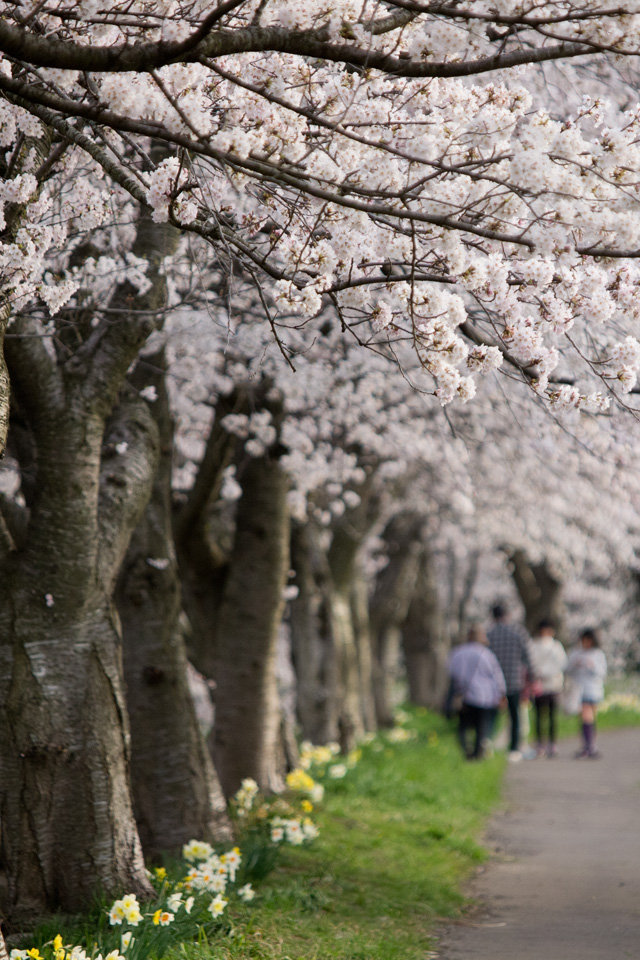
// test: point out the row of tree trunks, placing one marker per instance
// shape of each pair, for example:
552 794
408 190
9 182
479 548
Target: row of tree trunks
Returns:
330 630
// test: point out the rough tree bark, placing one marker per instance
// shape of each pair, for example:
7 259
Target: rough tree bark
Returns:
65 807
246 735
330 630
394 588
5 315
343 558
311 637
362 634
176 792
64 783
204 539
425 640
540 589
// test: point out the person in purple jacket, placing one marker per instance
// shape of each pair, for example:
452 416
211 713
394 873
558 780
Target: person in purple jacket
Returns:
476 677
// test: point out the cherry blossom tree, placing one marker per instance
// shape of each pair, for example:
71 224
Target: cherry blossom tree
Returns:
381 158
85 450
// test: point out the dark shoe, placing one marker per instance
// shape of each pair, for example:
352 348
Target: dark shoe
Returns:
552 750
582 754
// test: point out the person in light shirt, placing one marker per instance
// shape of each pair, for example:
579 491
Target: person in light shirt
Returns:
588 667
548 663
477 678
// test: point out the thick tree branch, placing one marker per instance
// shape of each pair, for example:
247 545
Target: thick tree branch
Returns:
111 348
48 51
125 482
35 377
263 169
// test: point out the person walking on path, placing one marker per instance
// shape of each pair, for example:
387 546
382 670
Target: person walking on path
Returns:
588 668
548 662
477 678
509 642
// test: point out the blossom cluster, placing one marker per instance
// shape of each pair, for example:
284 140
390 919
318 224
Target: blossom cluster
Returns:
414 202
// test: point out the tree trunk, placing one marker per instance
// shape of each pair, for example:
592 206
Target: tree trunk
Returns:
312 642
540 589
176 792
5 315
394 588
203 534
362 634
343 558
68 826
425 641
246 735
350 718
67 819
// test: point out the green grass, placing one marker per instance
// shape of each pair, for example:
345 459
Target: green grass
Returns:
398 836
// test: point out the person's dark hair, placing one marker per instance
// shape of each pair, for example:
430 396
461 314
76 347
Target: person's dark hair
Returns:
590 634
499 610
546 625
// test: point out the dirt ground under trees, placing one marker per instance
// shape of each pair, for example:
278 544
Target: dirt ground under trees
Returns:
564 878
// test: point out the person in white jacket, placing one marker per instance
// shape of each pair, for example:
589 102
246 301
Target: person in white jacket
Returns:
588 667
548 663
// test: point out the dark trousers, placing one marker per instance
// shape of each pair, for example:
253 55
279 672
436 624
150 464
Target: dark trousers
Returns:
513 705
546 703
476 720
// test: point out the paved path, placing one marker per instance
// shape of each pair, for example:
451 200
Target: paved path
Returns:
565 879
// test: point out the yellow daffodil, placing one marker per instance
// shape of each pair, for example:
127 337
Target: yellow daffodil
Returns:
299 780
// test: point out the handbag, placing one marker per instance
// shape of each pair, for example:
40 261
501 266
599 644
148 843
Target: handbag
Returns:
571 697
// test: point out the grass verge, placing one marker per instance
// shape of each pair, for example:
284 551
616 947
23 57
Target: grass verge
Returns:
398 835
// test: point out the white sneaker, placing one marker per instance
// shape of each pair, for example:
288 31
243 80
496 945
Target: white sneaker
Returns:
514 756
